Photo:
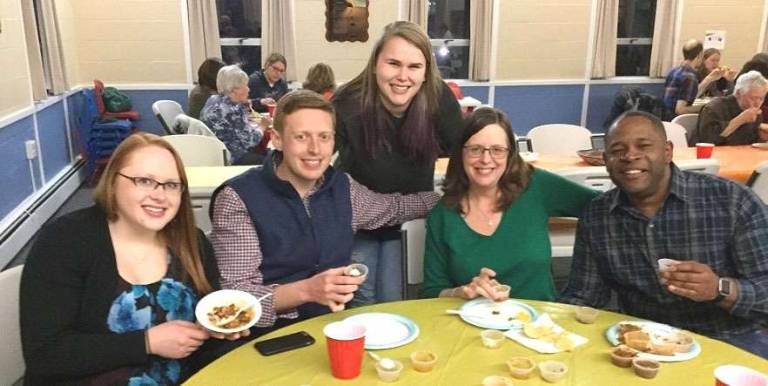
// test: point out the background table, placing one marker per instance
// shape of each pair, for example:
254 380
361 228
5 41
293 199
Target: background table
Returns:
462 360
202 181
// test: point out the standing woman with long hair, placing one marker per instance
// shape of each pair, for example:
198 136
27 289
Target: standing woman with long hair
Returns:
108 293
392 122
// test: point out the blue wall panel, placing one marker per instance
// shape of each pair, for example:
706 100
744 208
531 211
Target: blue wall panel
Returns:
478 92
75 106
142 102
52 131
17 185
601 100
530 106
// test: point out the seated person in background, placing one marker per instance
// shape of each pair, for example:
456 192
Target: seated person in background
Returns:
287 228
736 119
268 85
758 63
715 228
229 117
108 293
320 79
493 218
714 81
682 84
206 86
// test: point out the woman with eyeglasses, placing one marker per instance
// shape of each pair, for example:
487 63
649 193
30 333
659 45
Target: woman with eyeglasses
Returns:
268 85
108 293
491 225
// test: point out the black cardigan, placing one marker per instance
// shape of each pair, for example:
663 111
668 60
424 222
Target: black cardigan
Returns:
67 288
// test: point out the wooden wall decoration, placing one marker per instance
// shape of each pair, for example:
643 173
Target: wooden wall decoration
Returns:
346 20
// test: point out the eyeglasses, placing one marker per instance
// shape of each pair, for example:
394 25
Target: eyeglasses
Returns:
146 183
476 151
278 69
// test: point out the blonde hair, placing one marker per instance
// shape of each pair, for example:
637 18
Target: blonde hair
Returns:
180 233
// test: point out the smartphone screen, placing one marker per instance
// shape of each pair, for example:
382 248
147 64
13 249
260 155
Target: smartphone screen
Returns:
284 343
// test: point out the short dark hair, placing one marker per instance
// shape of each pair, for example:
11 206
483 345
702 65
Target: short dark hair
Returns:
320 78
298 100
692 49
515 178
274 58
656 124
207 72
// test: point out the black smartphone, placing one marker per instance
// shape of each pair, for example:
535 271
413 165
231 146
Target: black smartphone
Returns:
284 343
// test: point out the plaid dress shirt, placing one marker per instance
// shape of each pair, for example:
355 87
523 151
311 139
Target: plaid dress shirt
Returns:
681 84
704 218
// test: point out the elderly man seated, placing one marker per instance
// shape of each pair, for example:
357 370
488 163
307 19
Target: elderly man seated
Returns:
735 119
715 230
287 228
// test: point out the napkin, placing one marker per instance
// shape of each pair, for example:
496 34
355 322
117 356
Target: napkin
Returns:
542 346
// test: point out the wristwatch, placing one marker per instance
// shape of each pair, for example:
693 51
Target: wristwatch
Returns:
723 290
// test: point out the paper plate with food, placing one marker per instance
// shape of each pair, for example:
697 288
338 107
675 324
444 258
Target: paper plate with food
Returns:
545 336
486 313
228 311
653 340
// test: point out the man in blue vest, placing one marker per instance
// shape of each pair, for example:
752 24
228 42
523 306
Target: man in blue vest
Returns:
287 228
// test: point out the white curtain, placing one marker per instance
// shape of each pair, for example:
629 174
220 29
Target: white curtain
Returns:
417 11
33 51
480 19
203 32
663 49
53 57
278 32
606 33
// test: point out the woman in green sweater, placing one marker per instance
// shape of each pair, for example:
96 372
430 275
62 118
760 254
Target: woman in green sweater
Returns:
491 225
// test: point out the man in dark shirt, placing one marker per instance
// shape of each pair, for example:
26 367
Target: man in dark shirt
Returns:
735 119
682 84
715 230
268 85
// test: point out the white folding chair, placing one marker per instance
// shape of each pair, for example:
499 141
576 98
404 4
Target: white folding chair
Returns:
595 177
413 235
166 112
199 150
704 165
690 122
11 359
676 134
758 182
184 124
559 139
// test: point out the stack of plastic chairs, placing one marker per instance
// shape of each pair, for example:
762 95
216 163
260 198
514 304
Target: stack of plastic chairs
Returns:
99 136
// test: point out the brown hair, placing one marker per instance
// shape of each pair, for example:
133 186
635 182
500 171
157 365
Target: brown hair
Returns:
206 73
297 100
515 178
180 233
320 78
417 133
274 58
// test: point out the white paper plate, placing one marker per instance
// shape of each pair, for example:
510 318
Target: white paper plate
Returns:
484 309
384 330
223 298
612 334
761 145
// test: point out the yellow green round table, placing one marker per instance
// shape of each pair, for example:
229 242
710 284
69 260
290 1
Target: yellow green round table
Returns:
462 359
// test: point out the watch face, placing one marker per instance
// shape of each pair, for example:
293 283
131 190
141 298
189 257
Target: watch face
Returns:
724 287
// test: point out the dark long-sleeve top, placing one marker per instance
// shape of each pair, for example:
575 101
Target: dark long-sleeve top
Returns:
715 117
197 98
260 88
67 288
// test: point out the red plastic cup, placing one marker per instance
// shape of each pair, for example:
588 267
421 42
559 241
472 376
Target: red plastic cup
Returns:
732 375
271 110
345 342
704 150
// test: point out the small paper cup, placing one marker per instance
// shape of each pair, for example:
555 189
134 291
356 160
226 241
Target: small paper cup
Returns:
646 368
356 270
665 264
502 291
622 356
704 150
586 315
496 380
553 371
492 338
733 375
389 375
423 361
521 367
345 343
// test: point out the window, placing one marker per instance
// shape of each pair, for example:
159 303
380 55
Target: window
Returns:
448 29
635 34
240 32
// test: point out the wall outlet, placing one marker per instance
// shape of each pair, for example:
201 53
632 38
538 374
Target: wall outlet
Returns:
31 149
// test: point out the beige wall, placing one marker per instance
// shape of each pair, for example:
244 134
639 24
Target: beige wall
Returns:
739 18
542 39
128 41
68 41
348 58
14 80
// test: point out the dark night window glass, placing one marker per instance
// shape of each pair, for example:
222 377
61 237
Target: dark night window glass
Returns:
240 32
635 35
448 29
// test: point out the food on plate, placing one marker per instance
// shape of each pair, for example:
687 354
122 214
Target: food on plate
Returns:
521 367
645 368
622 356
220 314
535 331
523 316
625 328
654 342
638 340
